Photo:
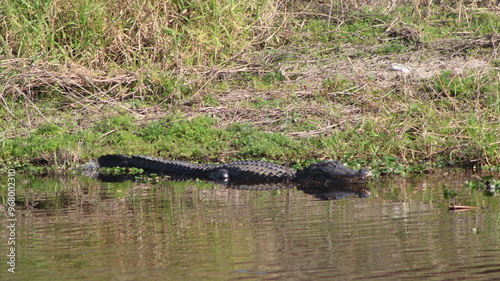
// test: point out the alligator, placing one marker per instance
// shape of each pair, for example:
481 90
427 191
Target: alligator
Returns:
324 173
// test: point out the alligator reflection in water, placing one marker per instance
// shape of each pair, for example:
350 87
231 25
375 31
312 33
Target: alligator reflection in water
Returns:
323 192
325 179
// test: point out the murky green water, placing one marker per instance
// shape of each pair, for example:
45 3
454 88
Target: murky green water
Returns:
78 228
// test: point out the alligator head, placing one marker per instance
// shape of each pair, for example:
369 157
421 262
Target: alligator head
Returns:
330 172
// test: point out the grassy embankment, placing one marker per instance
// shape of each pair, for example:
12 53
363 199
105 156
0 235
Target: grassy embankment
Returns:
221 80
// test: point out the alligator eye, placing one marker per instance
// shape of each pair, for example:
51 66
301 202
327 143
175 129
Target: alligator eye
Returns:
331 164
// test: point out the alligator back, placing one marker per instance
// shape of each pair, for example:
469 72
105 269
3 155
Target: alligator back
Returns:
243 172
249 172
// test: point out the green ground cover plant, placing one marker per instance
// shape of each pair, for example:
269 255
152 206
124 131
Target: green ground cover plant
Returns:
220 80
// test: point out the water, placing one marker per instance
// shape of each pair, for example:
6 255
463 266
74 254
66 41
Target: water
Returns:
82 229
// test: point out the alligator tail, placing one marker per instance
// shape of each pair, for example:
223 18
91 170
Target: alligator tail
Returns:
151 165
114 160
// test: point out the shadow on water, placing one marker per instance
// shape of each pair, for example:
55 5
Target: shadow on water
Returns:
81 228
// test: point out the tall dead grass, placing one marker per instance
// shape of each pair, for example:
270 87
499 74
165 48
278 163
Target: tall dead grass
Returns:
133 34
170 34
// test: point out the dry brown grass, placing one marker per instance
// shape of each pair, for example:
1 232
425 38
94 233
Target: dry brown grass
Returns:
77 86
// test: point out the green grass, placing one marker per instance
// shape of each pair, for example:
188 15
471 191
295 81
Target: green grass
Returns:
221 80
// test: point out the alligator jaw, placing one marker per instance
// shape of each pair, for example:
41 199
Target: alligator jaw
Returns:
331 172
